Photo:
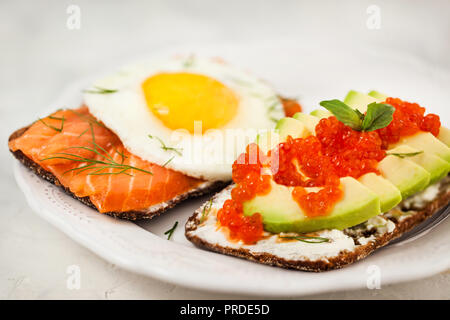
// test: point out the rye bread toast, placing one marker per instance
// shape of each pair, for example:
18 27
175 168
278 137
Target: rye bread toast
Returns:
149 213
358 242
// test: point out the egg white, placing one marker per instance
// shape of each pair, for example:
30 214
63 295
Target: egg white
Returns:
208 156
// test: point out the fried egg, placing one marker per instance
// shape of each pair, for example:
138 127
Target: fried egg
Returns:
189 114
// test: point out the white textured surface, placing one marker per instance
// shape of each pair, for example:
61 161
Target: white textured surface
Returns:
39 57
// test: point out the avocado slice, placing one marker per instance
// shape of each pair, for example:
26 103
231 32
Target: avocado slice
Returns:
428 143
406 186
444 136
389 194
436 166
358 100
378 95
423 140
281 213
291 127
407 176
321 113
267 140
308 120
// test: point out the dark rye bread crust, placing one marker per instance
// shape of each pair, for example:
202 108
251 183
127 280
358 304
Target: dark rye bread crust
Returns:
343 259
128 215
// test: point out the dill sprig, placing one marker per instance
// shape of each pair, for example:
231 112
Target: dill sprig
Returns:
165 147
122 155
241 82
307 239
60 129
404 155
206 210
189 62
272 107
97 166
100 90
87 118
81 134
101 162
169 232
168 161
90 120
274 119
273 103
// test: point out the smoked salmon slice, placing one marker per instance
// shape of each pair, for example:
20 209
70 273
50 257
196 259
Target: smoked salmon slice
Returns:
91 161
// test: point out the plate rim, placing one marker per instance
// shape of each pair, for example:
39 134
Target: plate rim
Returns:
125 263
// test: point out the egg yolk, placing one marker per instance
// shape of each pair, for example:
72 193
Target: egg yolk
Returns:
179 99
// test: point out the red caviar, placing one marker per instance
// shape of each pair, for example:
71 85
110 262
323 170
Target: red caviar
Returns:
352 153
318 203
306 155
409 118
250 182
291 107
335 151
248 229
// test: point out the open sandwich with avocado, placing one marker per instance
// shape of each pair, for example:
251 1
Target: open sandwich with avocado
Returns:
326 189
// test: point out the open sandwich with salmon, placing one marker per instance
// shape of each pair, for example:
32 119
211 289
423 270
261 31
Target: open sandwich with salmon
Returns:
129 151
326 189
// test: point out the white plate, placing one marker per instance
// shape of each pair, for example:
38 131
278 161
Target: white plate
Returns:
312 73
